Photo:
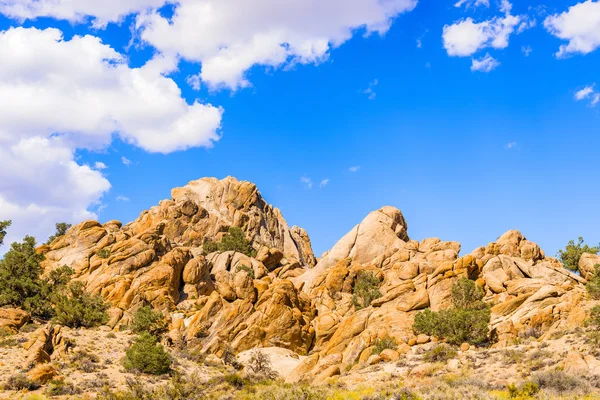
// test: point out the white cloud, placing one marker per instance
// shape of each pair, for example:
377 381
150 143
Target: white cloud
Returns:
324 183
526 50
419 43
122 198
588 93
307 182
472 3
100 12
466 37
354 168
485 64
194 82
126 161
580 25
60 96
511 145
370 91
230 37
99 165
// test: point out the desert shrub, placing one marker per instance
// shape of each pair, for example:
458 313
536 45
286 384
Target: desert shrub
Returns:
467 321
593 285
84 361
366 289
61 388
75 308
511 356
146 355
111 335
61 230
572 253
248 270
229 358
210 247
146 319
235 380
103 253
559 381
9 342
3 226
594 319
260 364
235 240
527 390
20 382
440 353
384 344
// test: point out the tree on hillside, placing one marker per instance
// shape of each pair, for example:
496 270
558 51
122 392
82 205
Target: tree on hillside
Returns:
61 230
572 253
3 226
20 271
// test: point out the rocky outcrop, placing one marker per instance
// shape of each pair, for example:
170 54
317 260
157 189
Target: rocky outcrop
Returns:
588 264
12 319
282 298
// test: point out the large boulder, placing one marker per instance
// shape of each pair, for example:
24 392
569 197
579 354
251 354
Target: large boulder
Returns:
587 265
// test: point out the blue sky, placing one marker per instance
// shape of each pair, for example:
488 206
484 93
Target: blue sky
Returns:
470 129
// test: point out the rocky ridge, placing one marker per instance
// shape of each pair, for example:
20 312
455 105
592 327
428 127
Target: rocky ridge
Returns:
284 298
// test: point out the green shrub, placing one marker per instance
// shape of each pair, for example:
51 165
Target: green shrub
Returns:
384 344
593 285
210 247
594 319
366 289
146 355
3 226
559 381
260 364
572 253
20 382
528 390
61 230
235 240
146 319
103 253
440 353
61 388
248 270
75 308
235 380
467 321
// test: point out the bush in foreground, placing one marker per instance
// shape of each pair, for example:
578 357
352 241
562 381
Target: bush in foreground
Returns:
76 308
146 355
146 319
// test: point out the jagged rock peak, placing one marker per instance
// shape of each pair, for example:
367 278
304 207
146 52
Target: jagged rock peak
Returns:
206 208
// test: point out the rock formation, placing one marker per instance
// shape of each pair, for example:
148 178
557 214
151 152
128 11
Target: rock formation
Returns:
283 298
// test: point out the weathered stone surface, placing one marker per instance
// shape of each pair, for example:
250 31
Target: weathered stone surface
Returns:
12 319
587 264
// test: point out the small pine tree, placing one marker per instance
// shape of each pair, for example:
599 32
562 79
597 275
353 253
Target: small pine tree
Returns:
572 253
146 355
366 289
146 319
593 285
235 240
3 227
61 230
76 308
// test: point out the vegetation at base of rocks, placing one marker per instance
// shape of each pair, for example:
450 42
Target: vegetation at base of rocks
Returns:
573 251
384 344
3 227
560 382
147 356
20 382
229 358
260 365
467 321
103 253
248 270
61 388
84 361
594 319
233 240
61 230
75 308
440 353
146 319
366 289
593 285
527 390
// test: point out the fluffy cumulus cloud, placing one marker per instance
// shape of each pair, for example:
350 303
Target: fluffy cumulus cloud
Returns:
579 25
99 12
472 3
229 37
60 96
484 64
466 37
